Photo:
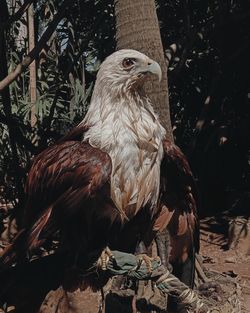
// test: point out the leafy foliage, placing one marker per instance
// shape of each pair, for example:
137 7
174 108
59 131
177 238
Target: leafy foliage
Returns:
66 69
209 93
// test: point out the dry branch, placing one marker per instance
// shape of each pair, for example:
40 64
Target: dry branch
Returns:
17 15
34 52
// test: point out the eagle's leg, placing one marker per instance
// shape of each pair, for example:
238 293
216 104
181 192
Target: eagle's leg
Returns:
182 268
142 253
163 245
162 240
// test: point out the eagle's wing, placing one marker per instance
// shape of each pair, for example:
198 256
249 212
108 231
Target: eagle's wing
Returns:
68 171
178 202
63 187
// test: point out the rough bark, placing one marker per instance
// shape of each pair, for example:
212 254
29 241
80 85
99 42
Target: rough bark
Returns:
137 28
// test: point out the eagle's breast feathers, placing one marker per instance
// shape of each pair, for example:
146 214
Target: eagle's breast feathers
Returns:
131 135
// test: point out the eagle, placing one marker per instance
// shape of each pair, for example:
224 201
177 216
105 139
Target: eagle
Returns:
115 180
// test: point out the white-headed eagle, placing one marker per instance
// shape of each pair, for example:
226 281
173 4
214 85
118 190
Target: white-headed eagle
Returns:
114 180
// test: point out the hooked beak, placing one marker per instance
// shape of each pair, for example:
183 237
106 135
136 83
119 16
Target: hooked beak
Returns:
149 67
154 68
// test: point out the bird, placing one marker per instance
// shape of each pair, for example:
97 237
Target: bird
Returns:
114 180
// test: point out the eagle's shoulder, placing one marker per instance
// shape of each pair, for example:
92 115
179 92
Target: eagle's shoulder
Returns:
173 156
64 170
68 160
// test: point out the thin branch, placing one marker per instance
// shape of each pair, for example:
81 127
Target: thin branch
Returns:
15 17
34 52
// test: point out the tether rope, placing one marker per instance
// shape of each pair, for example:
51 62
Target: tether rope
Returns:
142 267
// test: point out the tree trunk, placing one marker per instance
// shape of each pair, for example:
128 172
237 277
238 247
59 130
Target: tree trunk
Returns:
137 28
32 67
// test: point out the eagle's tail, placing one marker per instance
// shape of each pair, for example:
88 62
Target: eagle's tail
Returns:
26 240
13 251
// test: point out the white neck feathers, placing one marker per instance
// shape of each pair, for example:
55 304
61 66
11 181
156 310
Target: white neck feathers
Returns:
124 125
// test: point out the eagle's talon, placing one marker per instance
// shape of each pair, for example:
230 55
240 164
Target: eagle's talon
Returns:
104 259
147 260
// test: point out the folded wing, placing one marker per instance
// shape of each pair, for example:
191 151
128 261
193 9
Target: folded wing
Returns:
68 185
178 210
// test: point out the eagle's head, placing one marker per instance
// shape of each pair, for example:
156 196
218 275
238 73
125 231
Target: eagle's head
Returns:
126 70
119 102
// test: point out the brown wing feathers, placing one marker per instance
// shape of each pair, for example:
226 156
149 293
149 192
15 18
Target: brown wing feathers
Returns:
178 196
62 178
34 238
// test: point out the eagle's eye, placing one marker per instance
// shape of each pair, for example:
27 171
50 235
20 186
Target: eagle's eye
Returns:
128 62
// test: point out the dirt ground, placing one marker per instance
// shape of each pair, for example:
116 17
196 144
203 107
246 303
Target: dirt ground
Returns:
217 257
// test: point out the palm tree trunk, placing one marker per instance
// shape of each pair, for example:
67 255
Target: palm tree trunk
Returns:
137 28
